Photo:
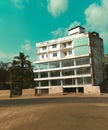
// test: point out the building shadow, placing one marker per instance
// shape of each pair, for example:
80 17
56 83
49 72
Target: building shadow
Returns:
104 86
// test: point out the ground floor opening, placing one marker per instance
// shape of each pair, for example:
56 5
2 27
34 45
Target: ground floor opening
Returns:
41 91
73 90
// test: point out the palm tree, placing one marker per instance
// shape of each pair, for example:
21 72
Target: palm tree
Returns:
26 69
22 60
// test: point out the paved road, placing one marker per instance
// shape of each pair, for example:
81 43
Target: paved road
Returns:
44 101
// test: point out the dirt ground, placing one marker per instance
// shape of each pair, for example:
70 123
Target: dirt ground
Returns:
55 117
63 116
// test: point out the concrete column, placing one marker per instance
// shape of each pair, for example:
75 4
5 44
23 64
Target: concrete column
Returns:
49 75
60 73
74 62
38 75
75 72
48 65
75 75
60 64
39 83
38 92
61 82
61 79
76 90
49 83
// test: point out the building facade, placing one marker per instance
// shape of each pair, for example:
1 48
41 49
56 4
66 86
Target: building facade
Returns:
70 64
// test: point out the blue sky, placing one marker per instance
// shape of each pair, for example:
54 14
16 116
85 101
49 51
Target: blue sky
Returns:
25 22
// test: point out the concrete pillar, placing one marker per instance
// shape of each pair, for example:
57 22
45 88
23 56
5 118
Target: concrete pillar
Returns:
39 83
76 90
75 72
75 75
74 62
38 91
48 74
60 64
60 73
48 65
38 75
61 82
49 83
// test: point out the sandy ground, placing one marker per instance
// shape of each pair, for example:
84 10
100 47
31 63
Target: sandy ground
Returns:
55 117
69 116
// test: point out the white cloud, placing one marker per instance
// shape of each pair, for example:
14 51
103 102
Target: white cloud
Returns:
7 56
20 3
97 18
61 32
56 7
29 50
74 24
26 47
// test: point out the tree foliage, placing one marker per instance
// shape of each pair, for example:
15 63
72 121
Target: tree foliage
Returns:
17 74
106 64
3 74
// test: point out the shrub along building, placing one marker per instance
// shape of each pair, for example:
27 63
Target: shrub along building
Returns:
70 64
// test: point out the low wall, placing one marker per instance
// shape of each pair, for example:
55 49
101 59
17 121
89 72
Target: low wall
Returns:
25 92
56 90
92 90
28 92
4 93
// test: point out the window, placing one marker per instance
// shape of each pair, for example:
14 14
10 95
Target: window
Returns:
55 82
46 55
82 61
43 74
67 72
44 48
70 52
55 73
65 53
67 81
81 41
54 64
65 45
69 43
66 63
87 80
54 46
80 81
81 50
54 54
42 56
42 66
44 83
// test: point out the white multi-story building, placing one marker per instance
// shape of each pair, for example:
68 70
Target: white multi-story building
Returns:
70 64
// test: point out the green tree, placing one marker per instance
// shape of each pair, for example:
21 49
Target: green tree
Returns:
106 64
3 74
21 72
22 60
16 80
